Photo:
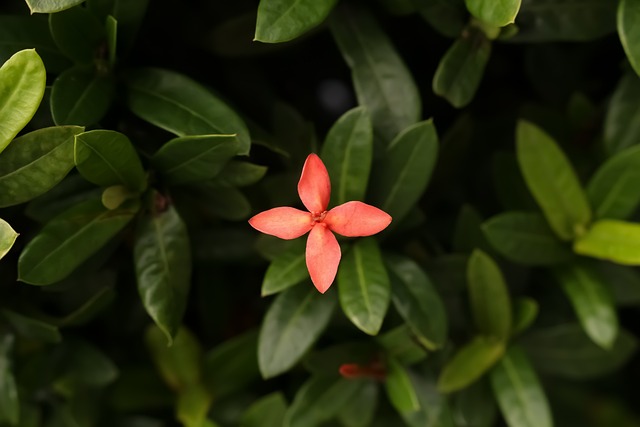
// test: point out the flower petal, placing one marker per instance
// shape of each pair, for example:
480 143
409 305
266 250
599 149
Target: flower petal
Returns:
323 257
357 219
314 186
285 223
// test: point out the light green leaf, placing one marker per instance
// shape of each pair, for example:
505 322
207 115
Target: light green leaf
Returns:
628 23
284 20
8 237
268 411
286 270
193 405
360 409
22 82
525 312
401 344
497 13
347 154
363 286
382 81
70 239
178 364
113 197
621 129
51 6
400 389
613 240
9 401
78 34
292 324
552 181
31 328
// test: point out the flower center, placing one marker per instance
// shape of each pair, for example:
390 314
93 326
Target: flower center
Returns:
317 217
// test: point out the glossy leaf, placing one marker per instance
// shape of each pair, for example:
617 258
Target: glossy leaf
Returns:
612 240
30 328
22 82
347 153
470 363
497 13
360 409
181 106
9 402
78 33
8 237
286 270
461 69
180 364
292 324
400 388
382 81
70 239
552 181
194 158
402 345
526 238
51 6
35 162
621 130
591 301
162 256
417 301
613 189
628 12
284 20
268 411
517 389
363 286
399 182
525 312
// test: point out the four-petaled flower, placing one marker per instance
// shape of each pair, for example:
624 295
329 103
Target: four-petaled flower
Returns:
351 219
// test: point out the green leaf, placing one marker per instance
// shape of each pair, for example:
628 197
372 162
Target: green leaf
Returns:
613 189
111 29
193 405
434 410
129 14
417 301
31 328
178 364
497 13
286 270
383 84
591 301
9 401
85 366
113 197
328 360
51 6
360 409
399 388
489 296
518 391
78 34
222 201
526 238
70 239
469 363
401 177
268 411
292 324
284 20
552 181
566 351
93 305
22 82
628 13
460 70
35 162
81 96
475 406
467 234
194 158
162 256
613 240
509 184
240 174
401 344
181 106
621 129
623 281
446 17
8 237
106 158
363 286
525 312
347 153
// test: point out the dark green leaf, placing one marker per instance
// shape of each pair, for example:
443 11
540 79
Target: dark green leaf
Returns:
84 366
613 240
509 184
181 106
292 324
623 281
382 81
401 344
286 269
31 328
111 29
525 312
78 33
8 237
129 14
474 406
621 129
51 6
92 306
628 12
284 20
178 364
268 411
70 239
328 361
447 17
400 389
434 410
363 286
223 201
519 394
359 411
241 174
497 13
467 234
70 191
9 403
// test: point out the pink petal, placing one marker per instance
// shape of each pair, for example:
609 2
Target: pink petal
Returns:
314 186
357 219
323 257
285 223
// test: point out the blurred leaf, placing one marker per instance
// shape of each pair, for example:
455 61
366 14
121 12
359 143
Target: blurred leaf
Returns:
51 6
8 237
70 239
566 351
241 174
591 301
178 364
287 269
520 396
469 363
613 240
292 324
497 13
621 130
129 14
284 20
182 106
194 158
95 304
363 286
111 30
446 17
85 366
81 96
222 200
434 410
525 312
67 193
327 361
525 238
9 403
623 281
461 69
417 301
268 411
402 345
22 82
347 153
402 175
162 256
628 12
140 389
360 409
400 388
475 406
106 158
467 234
382 82
31 328
552 181
35 162
613 189
78 33
509 184
193 405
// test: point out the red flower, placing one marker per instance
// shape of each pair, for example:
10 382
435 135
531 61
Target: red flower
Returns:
351 219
